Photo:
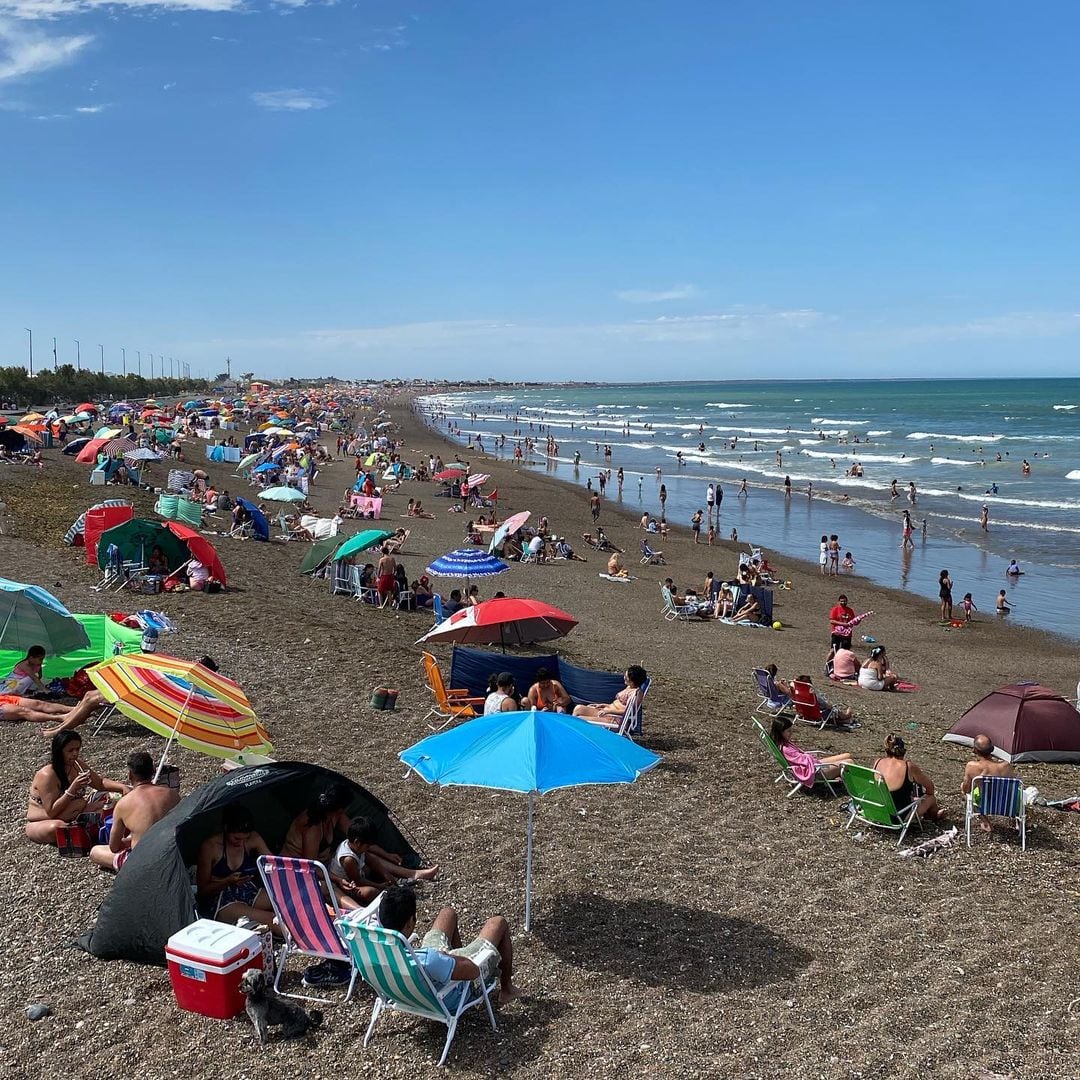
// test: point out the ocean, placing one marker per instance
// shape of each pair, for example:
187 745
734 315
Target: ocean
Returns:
963 443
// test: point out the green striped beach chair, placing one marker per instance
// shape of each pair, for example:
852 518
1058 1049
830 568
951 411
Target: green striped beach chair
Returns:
386 963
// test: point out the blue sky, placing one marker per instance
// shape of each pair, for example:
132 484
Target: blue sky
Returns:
607 190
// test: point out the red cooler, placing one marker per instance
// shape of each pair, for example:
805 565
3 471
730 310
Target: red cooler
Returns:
207 960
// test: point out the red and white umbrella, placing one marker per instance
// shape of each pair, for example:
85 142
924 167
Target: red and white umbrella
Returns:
478 478
506 620
115 447
508 528
449 474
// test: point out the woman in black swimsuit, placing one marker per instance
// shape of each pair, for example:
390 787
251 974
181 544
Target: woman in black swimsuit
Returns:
227 875
945 593
907 781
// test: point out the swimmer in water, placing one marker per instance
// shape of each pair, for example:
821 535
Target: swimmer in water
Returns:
1014 569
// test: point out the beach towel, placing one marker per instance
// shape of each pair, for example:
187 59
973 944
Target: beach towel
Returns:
621 580
155 620
743 622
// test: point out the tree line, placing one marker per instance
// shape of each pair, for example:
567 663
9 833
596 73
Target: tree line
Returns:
66 385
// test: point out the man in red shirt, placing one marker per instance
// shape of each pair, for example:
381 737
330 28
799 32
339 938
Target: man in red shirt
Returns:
839 618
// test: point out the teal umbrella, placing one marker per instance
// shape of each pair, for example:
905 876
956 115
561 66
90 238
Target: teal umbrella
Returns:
369 538
283 494
29 615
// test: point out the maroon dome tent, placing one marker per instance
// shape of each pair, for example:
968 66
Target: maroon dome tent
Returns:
1027 722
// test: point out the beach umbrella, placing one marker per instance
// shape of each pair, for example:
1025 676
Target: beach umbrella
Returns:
369 538
27 432
508 528
283 494
251 459
318 554
73 446
532 752
478 478
1026 722
182 701
259 525
117 447
505 620
32 418
30 615
467 563
449 474
86 407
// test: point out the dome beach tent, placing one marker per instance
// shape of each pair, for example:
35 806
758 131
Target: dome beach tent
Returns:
152 896
104 635
1026 722
137 538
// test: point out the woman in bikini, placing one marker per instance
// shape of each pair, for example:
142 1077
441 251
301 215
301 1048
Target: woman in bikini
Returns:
228 875
549 694
903 778
65 788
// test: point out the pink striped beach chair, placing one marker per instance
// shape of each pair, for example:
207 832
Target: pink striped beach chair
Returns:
306 906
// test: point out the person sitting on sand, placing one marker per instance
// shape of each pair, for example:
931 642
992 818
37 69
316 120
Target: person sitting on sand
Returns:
645 521
443 956
845 665
319 828
157 565
805 766
874 674
501 696
361 869
984 764
903 778
634 677
615 567
26 676
548 694
17 709
751 610
227 875
144 805
65 788
454 603
198 574
564 551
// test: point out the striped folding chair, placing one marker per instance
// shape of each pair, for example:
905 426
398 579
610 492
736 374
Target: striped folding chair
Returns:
305 904
997 796
386 963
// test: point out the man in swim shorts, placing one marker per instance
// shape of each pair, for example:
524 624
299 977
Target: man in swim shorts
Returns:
15 709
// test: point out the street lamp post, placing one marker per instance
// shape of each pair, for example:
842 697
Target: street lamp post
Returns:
55 363
102 348
31 333
123 359
78 355
138 353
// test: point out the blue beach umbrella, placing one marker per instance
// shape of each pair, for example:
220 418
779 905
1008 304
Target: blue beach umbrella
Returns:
259 525
467 563
30 615
530 751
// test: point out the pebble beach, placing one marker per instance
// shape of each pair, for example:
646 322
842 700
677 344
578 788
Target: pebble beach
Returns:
694 923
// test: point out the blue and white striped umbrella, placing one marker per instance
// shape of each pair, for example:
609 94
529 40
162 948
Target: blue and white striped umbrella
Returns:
29 615
467 563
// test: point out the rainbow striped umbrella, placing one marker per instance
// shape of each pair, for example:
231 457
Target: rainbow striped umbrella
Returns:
183 702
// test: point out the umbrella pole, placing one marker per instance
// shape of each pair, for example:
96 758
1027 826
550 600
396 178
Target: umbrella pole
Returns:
172 736
7 621
528 868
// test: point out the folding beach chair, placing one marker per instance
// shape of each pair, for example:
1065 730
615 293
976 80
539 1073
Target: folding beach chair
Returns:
341 579
396 543
629 724
437 608
649 556
387 964
449 704
870 801
786 773
771 702
997 796
675 612
305 904
807 707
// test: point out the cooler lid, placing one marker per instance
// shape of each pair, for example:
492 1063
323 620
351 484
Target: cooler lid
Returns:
214 941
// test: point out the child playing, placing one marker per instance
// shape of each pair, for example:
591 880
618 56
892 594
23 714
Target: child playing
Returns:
1002 605
849 562
357 854
969 607
712 534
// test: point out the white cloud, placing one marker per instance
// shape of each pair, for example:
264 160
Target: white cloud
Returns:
26 52
656 296
1009 325
291 100
89 110
54 9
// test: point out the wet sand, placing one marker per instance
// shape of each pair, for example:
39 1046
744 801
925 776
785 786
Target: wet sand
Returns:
695 922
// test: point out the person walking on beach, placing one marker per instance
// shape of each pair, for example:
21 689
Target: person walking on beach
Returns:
906 531
823 555
663 500
911 492
984 518
834 555
894 492
743 490
695 525
945 595
787 487
619 477
602 481
594 506
639 482
719 500
710 499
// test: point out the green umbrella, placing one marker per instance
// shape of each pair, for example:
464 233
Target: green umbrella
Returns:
249 460
318 553
361 542
283 494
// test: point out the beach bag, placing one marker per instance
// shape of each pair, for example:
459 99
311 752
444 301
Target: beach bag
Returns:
213 586
74 840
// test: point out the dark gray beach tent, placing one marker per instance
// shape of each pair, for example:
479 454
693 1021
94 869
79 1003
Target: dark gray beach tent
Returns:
152 896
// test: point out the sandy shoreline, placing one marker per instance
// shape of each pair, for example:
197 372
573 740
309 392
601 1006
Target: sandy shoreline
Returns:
696 921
